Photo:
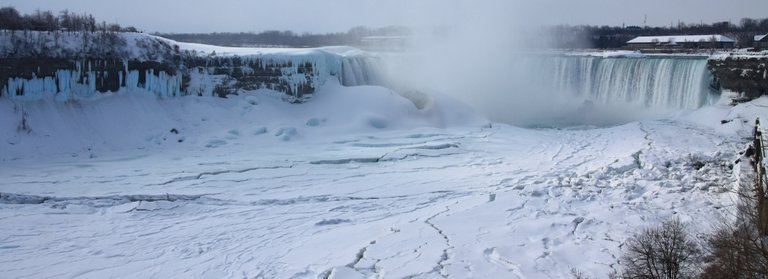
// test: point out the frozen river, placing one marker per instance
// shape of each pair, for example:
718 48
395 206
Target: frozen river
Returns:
418 203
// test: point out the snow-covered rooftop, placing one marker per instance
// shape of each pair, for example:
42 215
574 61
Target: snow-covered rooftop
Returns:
760 37
680 39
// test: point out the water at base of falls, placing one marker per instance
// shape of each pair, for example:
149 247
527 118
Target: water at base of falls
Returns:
556 89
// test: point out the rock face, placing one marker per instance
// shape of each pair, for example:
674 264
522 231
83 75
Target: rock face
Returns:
294 77
746 75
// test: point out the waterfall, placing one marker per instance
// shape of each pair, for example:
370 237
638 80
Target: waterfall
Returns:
363 70
654 82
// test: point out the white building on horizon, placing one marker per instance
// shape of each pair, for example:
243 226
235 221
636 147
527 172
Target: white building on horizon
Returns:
682 42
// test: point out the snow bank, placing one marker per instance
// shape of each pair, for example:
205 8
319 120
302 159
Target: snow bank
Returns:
726 119
80 45
127 121
739 55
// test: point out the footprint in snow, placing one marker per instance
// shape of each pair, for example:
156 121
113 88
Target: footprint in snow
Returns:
286 133
329 222
233 134
259 131
494 257
314 122
215 143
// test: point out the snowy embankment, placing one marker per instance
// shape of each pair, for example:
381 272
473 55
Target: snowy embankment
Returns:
127 122
740 55
357 183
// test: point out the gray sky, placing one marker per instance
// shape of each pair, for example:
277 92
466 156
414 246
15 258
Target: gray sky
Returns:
340 15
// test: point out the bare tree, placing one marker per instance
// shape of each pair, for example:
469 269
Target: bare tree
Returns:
737 252
663 252
10 19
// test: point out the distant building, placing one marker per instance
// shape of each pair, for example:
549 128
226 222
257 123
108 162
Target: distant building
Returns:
761 42
681 42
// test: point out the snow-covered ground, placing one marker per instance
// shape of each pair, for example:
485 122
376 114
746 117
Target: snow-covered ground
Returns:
739 54
358 183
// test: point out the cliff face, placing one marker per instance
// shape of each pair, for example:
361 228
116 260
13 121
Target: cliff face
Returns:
746 75
296 79
59 65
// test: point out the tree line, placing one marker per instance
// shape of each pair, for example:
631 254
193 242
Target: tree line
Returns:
11 19
559 36
287 38
606 37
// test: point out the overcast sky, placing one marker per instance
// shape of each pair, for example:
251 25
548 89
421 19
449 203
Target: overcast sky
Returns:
321 16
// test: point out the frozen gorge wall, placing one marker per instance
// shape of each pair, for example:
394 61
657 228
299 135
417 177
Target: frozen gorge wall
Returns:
76 65
298 76
655 82
67 79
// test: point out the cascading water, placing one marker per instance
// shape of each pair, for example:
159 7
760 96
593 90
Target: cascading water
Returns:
363 70
552 89
545 90
652 82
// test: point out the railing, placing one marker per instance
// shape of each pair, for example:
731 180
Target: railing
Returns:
760 181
